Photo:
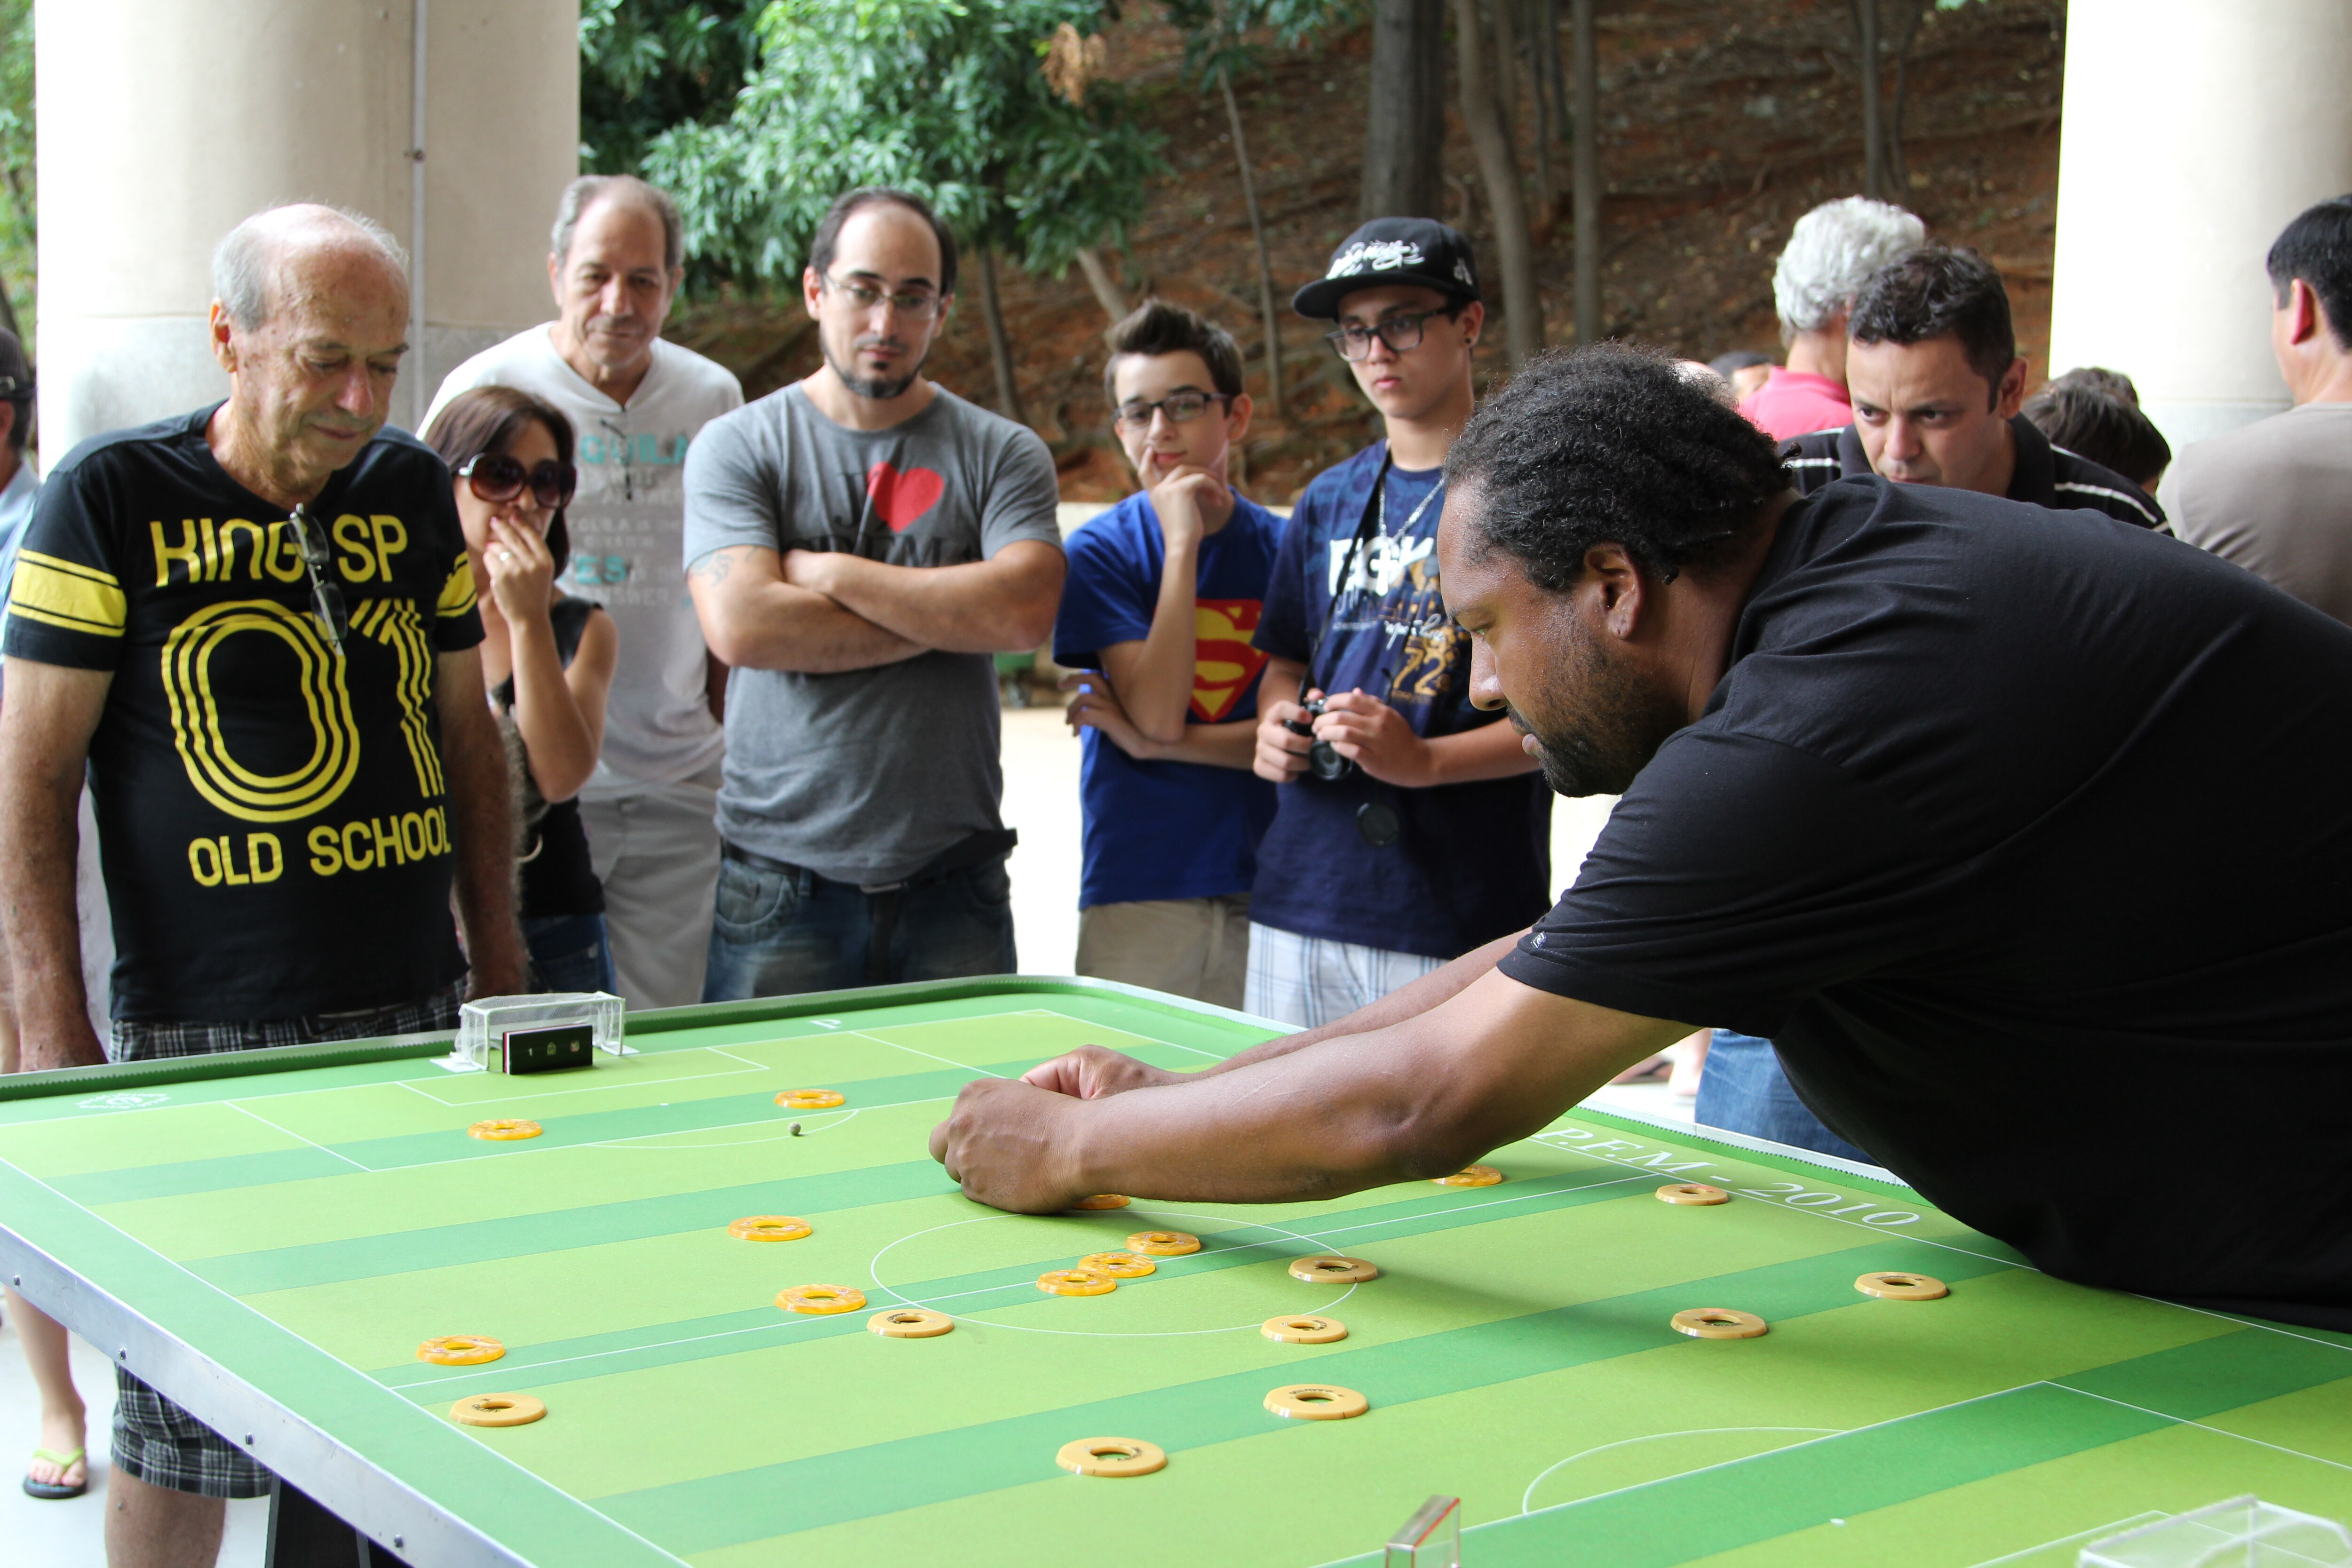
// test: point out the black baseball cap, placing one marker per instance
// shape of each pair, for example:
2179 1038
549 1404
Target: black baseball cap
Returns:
1393 250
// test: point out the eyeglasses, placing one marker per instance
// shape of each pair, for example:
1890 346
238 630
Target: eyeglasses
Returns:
1401 333
914 307
499 479
326 597
1181 409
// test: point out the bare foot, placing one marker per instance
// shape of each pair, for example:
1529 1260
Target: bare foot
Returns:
62 1433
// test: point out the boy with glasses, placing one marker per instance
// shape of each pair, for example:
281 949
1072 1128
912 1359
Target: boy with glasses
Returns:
1164 592
1408 830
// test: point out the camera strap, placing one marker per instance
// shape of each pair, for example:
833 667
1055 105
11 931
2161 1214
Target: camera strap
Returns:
1372 524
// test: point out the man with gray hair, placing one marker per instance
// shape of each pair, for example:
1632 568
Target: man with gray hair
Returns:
616 261
254 627
1831 251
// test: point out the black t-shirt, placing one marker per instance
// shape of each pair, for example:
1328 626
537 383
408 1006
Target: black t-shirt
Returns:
273 818
558 877
2025 837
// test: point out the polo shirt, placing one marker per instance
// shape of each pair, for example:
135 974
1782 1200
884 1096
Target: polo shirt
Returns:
1793 403
2046 475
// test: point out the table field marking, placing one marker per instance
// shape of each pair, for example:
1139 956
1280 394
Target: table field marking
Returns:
2219 1431
783 1323
2148 1516
532 1478
946 1061
873 1272
593 1088
288 1132
1816 1212
839 1119
2262 1324
1526 1498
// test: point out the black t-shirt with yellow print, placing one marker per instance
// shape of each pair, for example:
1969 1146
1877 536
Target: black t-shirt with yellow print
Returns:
273 815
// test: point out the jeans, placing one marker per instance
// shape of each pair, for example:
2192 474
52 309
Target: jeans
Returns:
776 932
569 952
1743 1090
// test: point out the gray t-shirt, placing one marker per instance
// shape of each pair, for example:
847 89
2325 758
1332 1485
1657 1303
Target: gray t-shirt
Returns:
867 775
2276 497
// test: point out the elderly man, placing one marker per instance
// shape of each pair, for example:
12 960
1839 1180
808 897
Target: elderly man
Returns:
254 626
2276 495
637 401
1831 251
1901 770
857 545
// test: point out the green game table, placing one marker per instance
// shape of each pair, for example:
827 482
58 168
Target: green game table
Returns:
268 1237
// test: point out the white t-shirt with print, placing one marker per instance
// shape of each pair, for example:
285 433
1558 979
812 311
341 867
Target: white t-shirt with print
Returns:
626 525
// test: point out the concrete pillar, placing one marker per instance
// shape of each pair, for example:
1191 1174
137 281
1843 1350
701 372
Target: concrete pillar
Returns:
162 126
2193 130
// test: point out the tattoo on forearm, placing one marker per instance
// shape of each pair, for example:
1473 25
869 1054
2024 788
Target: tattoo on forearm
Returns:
713 567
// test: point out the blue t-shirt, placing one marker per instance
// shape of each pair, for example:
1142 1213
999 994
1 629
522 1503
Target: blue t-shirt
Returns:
1161 830
1474 860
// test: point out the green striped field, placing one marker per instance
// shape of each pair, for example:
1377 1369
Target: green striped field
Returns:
307 1227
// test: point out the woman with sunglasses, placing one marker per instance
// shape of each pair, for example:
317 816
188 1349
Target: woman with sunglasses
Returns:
547 659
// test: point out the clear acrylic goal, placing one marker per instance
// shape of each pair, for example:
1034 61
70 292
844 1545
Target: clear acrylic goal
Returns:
483 1026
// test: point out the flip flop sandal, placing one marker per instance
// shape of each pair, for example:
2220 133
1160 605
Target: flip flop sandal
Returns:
53 1491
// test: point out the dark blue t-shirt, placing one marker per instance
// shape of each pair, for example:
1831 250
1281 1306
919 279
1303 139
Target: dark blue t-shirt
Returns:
1474 860
1163 829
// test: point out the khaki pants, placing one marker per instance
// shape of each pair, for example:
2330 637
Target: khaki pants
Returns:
1186 947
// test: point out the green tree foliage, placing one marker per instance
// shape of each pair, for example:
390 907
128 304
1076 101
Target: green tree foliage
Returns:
647 65
945 98
17 189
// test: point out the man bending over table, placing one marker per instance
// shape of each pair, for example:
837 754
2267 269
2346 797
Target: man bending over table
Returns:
254 626
1904 775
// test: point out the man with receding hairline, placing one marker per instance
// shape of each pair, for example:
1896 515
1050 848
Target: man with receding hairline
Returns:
637 401
254 627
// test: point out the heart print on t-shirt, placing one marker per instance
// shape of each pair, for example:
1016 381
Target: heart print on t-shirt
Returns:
901 499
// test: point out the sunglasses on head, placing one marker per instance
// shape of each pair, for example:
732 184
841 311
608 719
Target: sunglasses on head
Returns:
497 478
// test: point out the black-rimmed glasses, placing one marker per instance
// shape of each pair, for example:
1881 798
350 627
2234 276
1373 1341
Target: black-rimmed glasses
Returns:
498 478
1181 409
914 307
326 595
1401 333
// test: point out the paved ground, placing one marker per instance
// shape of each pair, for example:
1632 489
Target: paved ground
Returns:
1041 799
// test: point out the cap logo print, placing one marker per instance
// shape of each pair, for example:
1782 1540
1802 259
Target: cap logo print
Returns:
1375 256
1462 271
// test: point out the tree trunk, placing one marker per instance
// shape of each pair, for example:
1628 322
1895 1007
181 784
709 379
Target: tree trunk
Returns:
1896 167
1107 293
9 317
1522 307
1873 134
1265 268
1587 123
1506 69
1000 352
1543 67
1404 123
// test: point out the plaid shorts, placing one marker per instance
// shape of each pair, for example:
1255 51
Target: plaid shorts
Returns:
155 1440
138 1042
1308 980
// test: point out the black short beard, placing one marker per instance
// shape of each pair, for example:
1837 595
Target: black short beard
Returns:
1618 723
880 388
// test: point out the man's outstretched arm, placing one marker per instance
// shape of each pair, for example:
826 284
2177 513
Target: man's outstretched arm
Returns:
1420 1098
1092 1071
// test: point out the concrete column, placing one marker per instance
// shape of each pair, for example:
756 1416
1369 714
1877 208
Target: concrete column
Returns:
2194 130
162 126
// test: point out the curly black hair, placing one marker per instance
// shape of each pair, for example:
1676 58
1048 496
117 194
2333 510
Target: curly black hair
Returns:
1610 444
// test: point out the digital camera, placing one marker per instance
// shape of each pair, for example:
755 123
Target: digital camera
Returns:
1323 760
